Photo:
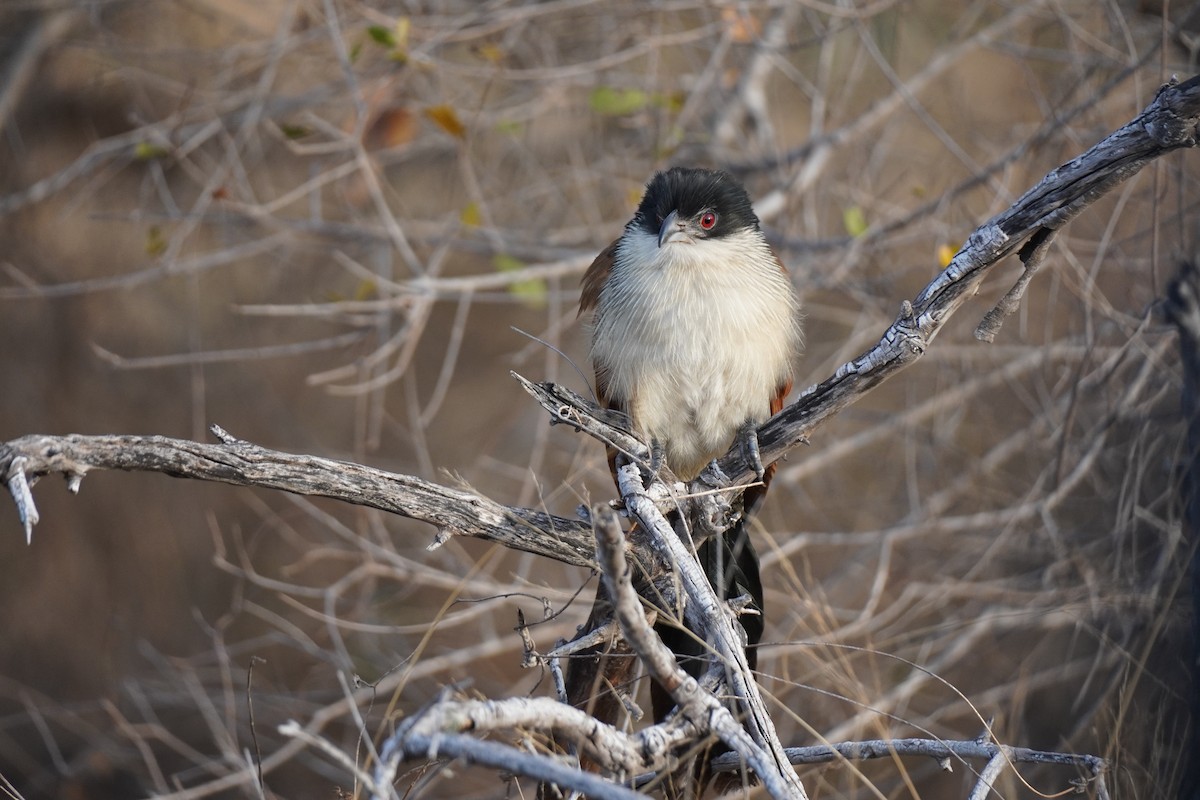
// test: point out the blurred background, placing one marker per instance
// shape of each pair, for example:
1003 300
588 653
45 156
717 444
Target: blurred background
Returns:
334 227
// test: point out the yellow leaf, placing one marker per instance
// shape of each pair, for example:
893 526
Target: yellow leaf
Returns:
145 151
400 32
470 215
945 254
156 243
491 53
672 102
447 119
855 221
400 40
366 290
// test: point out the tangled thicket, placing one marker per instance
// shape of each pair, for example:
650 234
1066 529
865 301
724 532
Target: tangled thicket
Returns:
314 223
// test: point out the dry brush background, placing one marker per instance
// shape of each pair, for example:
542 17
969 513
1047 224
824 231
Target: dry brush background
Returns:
318 224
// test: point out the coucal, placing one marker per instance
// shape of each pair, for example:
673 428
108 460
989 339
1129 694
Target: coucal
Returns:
695 329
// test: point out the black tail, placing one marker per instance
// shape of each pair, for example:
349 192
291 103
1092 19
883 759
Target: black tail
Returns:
731 565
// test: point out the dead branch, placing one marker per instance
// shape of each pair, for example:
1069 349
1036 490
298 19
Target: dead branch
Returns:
945 752
1168 123
757 742
458 723
233 461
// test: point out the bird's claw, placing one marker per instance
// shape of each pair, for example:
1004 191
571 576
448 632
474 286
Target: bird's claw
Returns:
658 457
748 437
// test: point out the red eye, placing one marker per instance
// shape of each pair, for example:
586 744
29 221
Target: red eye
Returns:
708 220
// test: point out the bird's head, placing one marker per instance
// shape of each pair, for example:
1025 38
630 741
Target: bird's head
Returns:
685 206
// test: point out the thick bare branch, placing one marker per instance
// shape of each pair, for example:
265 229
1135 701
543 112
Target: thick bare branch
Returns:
454 512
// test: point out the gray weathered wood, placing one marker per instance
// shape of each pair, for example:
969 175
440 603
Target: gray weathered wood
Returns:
453 512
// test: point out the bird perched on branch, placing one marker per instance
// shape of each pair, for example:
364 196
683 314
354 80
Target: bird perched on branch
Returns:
695 329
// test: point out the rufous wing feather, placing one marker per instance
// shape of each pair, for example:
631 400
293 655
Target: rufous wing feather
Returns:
596 276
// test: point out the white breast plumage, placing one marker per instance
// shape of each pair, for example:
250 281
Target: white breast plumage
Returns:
693 339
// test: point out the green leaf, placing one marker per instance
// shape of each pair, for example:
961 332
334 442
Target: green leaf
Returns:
506 263
855 221
531 291
510 127
382 35
617 102
394 39
294 131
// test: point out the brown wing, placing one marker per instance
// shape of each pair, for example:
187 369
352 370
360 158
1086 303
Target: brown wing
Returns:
589 298
596 276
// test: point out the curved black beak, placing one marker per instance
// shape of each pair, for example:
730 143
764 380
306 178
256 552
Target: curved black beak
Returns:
671 229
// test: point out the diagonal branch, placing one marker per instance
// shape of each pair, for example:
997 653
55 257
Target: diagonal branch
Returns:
1169 123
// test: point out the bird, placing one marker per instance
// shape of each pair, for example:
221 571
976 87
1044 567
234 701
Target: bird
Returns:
695 328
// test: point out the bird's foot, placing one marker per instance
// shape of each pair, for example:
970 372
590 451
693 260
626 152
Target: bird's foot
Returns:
748 439
658 457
